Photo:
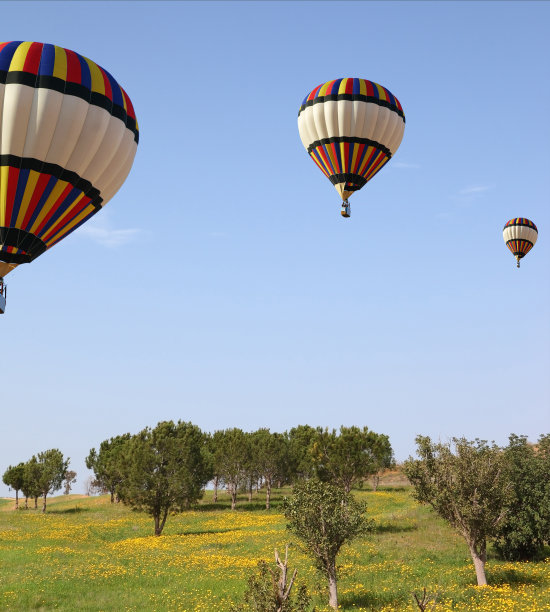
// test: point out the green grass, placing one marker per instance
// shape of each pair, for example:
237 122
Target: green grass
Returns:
86 554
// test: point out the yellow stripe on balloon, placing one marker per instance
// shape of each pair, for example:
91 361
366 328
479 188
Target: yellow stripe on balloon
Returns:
60 63
323 90
343 157
87 211
4 170
98 84
27 195
354 158
342 88
362 87
19 57
48 204
381 92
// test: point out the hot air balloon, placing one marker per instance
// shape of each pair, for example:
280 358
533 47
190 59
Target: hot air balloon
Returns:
68 137
520 235
350 128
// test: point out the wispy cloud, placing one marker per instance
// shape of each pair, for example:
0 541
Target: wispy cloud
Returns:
400 164
100 229
475 189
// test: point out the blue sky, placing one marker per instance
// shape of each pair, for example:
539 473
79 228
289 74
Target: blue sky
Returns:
221 286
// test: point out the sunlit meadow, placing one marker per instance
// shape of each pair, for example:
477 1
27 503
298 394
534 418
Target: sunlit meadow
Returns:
86 554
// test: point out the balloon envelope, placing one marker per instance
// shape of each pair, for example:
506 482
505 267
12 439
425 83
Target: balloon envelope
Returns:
68 137
520 235
351 128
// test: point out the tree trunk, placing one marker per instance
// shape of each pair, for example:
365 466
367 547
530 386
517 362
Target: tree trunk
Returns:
332 588
233 492
250 485
159 524
36 502
26 502
215 489
375 482
479 558
112 497
44 504
16 499
267 494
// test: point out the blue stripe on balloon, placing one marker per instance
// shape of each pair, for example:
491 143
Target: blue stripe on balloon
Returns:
115 87
6 54
47 60
19 192
86 77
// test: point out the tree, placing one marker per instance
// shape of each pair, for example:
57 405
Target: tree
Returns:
14 477
31 482
51 471
300 461
525 529
232 457
164 470
324 517
106 464
382 456
70 479
468 488
270 590
270 453
350 456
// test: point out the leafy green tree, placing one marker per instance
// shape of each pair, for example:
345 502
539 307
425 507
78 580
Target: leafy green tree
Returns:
106 463
300 460
14 477
215 451
232 458
468 488
164 470
381 454
324 517
270 590
31 482
347 457
270 452
51 471
525 529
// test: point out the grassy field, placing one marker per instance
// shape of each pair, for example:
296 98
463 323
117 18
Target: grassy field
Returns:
86 554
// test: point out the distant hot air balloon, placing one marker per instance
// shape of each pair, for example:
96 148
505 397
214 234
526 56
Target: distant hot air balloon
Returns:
68 137
520 235
350 128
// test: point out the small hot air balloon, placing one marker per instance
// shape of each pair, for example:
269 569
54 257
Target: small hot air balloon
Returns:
520 235
68 137
350 128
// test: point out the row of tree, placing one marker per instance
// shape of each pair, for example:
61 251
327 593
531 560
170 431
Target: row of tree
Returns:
165 469
40 476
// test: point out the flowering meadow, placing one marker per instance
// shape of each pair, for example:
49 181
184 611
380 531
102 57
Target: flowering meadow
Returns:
88 554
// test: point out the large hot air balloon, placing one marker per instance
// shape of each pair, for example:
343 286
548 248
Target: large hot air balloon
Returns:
350 128
520 235
68 137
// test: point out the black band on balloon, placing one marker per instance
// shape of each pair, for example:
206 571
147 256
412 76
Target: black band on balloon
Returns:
351 140
71 89
356 180
353 98
22 240
30 163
